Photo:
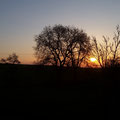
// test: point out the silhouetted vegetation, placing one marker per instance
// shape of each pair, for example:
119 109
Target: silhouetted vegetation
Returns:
71 75
63 90
62 46
11 59
107 53
68 46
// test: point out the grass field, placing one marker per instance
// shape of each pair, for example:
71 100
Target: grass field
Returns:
31 91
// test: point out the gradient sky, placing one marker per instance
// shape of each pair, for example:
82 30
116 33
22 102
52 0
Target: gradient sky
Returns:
21 20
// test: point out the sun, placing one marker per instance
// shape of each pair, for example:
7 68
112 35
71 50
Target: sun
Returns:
92 59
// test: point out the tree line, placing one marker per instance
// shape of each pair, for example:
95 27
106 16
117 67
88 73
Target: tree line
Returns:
60 45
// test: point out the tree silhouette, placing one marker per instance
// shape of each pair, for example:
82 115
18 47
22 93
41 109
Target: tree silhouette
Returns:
101 51
107 53
62 46
3 60
116 47
11 59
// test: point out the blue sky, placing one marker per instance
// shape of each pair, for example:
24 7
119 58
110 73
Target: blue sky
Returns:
21 20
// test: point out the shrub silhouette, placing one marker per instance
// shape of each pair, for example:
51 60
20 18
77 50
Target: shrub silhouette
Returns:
11 59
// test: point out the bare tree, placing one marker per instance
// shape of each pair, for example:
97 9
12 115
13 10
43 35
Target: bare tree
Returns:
116 47
106 53
11 59
62 46
101 51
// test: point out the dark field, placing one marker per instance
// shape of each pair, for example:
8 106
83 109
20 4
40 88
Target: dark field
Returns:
28 91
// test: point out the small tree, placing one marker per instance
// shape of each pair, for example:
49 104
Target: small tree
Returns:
11 59
62 46
3 61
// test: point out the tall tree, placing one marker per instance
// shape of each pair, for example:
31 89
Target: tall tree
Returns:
101 51
107 53
62 46
115 48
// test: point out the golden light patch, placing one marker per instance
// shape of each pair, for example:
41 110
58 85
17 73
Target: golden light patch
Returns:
92 59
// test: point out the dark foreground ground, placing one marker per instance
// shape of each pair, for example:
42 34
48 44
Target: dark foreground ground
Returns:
38 92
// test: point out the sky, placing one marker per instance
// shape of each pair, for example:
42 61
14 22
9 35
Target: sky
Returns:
21 20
